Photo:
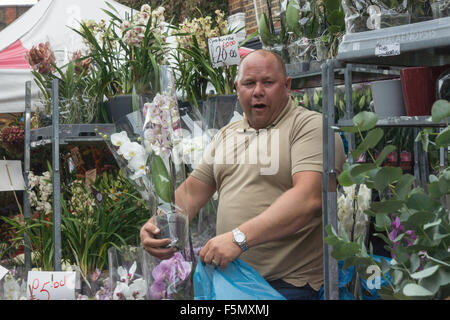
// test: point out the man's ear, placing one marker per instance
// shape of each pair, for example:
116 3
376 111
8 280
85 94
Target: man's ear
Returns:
288 83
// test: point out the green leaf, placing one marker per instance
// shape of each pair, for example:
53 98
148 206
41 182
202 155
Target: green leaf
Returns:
424 273
403 186
422 202
161 179
365 120
370 141
382 221
414 290
357 169
386 206
386 176
384 153
345 180
443 138
440 110
420 218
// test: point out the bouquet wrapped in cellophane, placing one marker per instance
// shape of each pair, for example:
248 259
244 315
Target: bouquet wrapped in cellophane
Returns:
155 147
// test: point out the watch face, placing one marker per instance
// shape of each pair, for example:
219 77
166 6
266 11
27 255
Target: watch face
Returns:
240 237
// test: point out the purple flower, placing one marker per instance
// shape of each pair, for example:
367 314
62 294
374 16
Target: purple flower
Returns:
158 290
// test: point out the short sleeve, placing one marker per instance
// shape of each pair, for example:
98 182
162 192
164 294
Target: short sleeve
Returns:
307 144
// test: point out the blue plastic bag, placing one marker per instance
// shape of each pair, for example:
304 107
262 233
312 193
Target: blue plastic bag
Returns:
238 281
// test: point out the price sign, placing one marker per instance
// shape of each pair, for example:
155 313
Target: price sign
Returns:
387 49
51 285
3 272
224 50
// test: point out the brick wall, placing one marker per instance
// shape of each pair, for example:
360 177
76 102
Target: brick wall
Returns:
10 13
248 7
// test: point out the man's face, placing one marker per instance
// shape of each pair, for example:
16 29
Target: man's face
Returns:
262 88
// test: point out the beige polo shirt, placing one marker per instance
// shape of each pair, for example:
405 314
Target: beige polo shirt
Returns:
251 168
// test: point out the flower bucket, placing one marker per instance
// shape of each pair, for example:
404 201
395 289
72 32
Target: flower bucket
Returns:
388 98
119 106
419 89
126 273
169 279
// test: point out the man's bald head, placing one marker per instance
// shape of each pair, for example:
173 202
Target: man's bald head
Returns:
265 53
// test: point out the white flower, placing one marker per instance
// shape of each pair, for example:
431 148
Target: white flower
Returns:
137 165
118 139
130 150
137 290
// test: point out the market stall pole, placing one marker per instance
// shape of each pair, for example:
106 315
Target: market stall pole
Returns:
56 178
26 158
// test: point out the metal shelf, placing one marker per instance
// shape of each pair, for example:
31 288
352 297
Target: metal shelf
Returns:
424 43
403 121
71 133
419 44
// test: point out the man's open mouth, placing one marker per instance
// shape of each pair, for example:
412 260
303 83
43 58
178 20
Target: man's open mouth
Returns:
259 106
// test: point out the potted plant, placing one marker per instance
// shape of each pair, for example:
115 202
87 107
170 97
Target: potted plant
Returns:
77 101
412 221
125 54
298 27
366 15
195 75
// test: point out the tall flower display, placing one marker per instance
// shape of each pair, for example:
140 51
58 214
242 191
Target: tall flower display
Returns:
194 67
126 51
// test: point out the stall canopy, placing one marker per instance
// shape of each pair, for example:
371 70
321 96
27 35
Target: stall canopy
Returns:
47 20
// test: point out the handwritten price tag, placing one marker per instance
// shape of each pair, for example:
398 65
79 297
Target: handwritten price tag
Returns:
51 285
224 50
387 49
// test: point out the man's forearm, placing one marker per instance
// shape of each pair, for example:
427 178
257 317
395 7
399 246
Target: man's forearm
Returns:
290 212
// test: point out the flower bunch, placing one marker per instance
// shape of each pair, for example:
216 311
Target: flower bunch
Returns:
41 58
12 135
40 191
81 65
133 152
133 32
194 66
351 206
129 288
162 124
202 29
126 52
12 139
82 199
99 32
169 277
400 236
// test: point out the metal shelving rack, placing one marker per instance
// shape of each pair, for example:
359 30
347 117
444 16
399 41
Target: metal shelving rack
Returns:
56 135
420 44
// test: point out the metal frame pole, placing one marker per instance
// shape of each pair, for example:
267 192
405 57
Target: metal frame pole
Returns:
329 200
332 180
349 109
56 178
26 165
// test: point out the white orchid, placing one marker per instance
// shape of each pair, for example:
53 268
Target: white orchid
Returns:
137 164
128 288
351 206
118 139
130 150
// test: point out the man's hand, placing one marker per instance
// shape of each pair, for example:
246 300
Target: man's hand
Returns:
155 246
220 250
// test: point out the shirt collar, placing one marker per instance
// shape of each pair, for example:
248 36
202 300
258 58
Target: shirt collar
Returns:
246 126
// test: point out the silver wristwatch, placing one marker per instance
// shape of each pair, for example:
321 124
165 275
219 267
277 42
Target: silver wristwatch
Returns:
239 238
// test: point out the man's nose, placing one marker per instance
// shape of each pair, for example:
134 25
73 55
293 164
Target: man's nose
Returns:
259 89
